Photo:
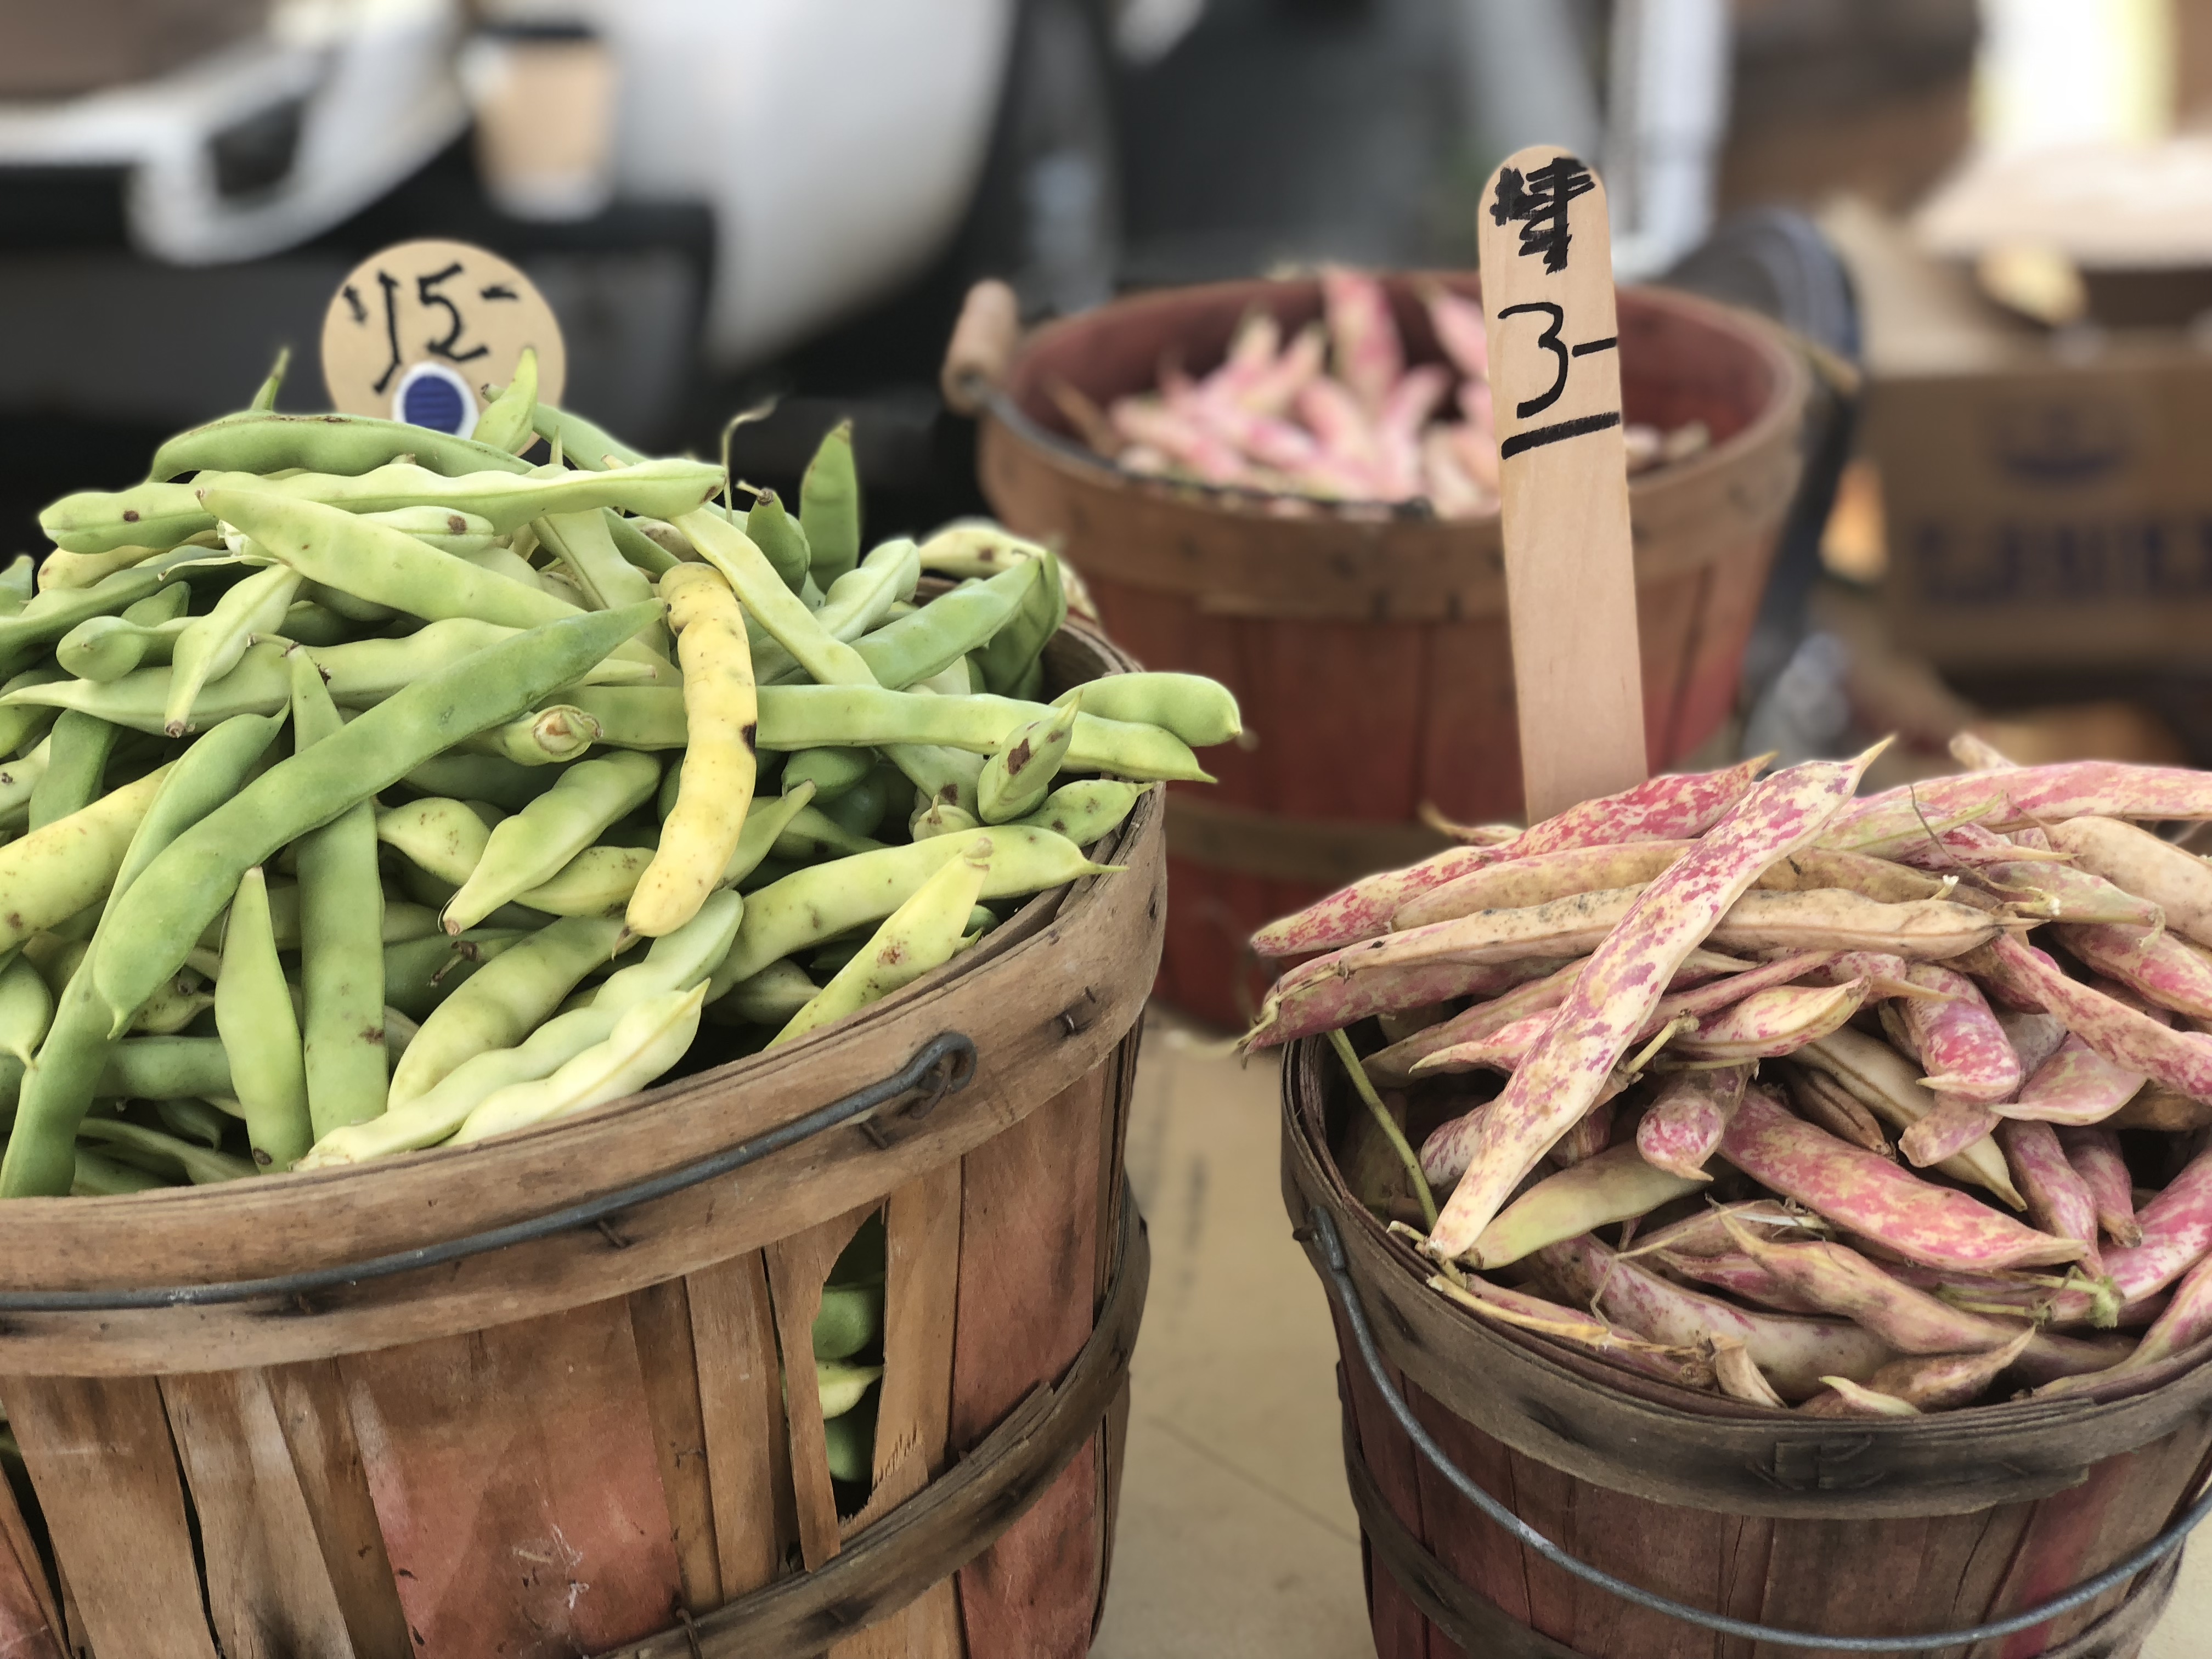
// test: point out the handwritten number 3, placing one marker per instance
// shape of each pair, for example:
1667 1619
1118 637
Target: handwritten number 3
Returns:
1549 339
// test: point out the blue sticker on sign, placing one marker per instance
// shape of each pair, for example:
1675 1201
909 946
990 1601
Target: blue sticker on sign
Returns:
435 395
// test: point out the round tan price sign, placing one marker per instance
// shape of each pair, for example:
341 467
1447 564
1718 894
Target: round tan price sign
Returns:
416 333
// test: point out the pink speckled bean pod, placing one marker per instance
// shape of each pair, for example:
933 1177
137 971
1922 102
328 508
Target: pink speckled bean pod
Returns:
1737 1274
1614 1185
1958 1040
1773 1023
2186 1321
2061 893
1273 391
2158 965
2030 795
2180 884
1593 1135
1946 1132
1564 1076
1944 1382
1319 996
1516 883
2058 1201
1348 440
2181 1060
1685 1367
2054 1304
1838 1279
1683 1128
1208 455
2034 1038
1794 1352
1960 849
1885 975
1369 356
1460 329
1846 1399
1539 996
2177 1234
2094 1152
1705 1233
2076 1086
1874 1198
1667 808
1506 1044
1820 1100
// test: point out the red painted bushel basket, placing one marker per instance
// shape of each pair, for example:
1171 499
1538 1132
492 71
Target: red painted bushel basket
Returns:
1848 1534
1370 655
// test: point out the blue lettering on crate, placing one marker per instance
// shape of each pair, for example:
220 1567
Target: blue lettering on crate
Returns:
2011 563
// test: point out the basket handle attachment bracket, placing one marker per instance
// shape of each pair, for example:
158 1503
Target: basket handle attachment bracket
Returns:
943 1065
1324 1243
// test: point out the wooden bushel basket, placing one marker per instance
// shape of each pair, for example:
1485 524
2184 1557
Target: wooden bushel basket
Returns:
522 1398
1367 649
1845 1528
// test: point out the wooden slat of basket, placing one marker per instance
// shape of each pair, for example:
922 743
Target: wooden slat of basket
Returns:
741 1406
515 1479
100 1455
79 1639
310 1401
1028 1249
797 1268
1389 1458
914 1412
30 1616
660 1318
268 1593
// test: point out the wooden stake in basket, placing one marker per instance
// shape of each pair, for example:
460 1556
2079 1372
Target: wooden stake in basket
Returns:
1546 259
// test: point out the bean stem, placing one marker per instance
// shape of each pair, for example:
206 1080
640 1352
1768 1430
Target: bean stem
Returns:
1388 1124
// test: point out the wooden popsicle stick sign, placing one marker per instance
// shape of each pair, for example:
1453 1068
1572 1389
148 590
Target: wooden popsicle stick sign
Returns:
1547 258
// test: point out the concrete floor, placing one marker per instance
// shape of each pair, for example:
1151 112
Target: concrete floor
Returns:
1237 1539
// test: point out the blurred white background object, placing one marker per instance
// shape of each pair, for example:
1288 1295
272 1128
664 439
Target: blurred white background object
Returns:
2057 72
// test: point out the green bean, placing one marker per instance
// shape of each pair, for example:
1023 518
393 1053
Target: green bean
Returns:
849 1441
211 645
505 423
26 1009
779 538
80 1046
942 818
445 528
531 847
676 962
194 1120
1087 810
634 716
1019 772
977 547
646 1040
201 869
1200 711
92 1176
20 781
1013 662
175 1004
858 600
255 441
441 835
811 831
584 543
48 875
481 777
764 824
154 516
56 611
18 582
943 632
551 737
341 603
366 672
597 882
22 725
506 999
633 544
830 507
260 1035
265 396
831 771
311 623
769 602
198 1164
842 1387
420 973
922 933
941 776
340 937
811 906
140 699
584 444
770 997
164 1068
851 1317
402 922
861 810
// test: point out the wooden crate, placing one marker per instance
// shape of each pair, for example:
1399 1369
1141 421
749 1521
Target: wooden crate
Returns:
1843 1527
579 1442
1370 654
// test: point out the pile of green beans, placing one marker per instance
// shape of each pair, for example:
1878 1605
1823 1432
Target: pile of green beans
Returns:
338 759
